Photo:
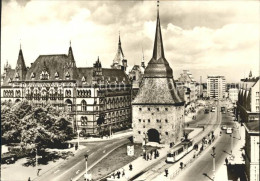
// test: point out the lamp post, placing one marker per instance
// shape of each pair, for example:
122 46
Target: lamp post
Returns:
231 136
78 131
87 177
213 156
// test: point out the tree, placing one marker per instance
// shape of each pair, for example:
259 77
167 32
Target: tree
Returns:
30 124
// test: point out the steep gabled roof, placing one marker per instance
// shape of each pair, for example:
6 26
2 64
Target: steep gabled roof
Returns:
157 91
158 86
54 63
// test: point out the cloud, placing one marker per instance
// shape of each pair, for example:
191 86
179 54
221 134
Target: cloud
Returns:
205 37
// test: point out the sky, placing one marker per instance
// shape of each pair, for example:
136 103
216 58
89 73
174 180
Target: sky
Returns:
204 37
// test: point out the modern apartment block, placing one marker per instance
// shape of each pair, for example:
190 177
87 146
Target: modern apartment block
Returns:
216 86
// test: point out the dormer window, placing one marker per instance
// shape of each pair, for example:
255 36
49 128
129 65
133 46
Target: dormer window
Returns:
56 75
9 80
44 75
83 79
32 75
67 75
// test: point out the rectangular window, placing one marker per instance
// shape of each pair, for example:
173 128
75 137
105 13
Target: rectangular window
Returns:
166 109
140 109
139 120
166 120
257 101
149 109
257 108
166 133
148 120
158 109
139 132
144 120
157 120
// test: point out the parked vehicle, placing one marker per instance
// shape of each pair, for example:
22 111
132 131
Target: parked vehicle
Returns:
8 158
213 109
224 127
229 131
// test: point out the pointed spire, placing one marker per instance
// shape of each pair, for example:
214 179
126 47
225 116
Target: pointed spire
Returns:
142 62
119 54
158 66
20 61
158 51
70 53
250 74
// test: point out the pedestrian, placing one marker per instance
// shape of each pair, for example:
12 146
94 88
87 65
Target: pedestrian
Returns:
29 179
147 156
150 156
181 164
113 175
123 172
130 167
158 154
118 174
226 160
166 172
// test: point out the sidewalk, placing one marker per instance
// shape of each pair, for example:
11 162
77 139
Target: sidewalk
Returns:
138 165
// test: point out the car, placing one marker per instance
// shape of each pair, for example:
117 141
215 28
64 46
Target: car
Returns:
224 127
229 130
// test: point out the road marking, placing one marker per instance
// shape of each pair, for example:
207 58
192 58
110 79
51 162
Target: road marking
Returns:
56 171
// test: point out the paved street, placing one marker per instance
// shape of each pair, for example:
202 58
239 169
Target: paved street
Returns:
201 169
76 165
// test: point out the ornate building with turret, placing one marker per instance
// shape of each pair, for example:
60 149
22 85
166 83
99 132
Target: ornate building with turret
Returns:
97 99
158 110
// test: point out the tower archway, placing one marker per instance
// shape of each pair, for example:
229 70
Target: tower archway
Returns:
153 135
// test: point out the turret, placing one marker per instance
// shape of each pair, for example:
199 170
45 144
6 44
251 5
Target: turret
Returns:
20 70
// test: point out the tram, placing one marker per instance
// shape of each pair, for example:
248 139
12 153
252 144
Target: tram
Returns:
179 151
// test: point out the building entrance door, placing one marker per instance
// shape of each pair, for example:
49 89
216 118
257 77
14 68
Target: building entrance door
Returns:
153 135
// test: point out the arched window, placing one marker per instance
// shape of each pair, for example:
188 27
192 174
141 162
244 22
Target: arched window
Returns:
83 105
112 104
69 105
84 120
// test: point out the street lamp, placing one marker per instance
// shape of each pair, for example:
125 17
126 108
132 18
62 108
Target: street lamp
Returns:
231 143
86 159
78 131
213 156
87 176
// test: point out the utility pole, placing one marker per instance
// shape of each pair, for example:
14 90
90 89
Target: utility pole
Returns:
213 156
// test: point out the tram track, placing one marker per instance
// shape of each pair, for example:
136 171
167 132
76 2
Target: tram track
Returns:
151 172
